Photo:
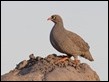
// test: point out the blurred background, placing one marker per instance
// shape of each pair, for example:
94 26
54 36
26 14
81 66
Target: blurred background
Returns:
25 30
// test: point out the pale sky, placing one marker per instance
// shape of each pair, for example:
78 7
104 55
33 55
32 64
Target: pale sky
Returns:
25 30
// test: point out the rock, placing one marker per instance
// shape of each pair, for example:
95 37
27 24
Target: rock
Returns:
45 69
31 56
22 64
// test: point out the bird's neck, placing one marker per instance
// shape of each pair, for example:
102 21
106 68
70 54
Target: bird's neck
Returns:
57 28
59 25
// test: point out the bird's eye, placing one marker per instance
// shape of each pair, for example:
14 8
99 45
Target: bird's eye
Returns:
53 17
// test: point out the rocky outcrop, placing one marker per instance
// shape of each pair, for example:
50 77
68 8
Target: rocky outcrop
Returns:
46 69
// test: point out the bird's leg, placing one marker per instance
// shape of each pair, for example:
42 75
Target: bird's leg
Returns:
76 61
61 60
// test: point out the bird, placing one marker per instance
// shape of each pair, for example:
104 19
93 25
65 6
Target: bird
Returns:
68 42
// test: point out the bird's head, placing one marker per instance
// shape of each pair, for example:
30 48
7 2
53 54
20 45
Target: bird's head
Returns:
55 18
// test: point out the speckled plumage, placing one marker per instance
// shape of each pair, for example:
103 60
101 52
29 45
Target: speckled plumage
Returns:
66 41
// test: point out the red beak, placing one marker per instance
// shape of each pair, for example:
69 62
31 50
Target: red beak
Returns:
49 18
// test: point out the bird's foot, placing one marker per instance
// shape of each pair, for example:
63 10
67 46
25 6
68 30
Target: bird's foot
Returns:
76 63
61 60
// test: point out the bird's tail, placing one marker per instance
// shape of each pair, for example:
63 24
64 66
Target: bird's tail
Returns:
88 56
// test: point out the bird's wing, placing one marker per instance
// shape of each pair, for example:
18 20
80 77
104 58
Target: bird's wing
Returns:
79 42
